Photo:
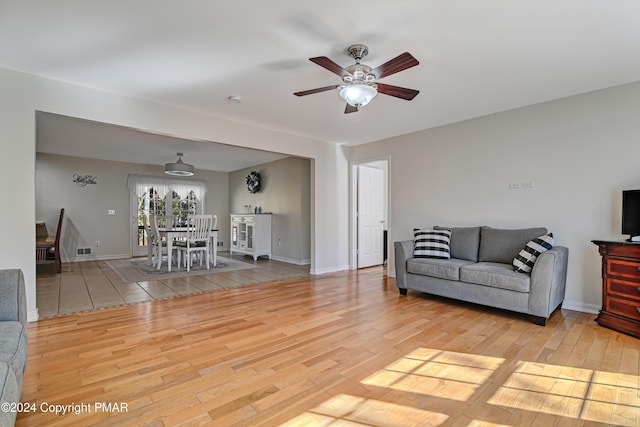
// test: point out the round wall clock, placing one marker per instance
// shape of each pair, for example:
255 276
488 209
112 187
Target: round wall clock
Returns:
253 182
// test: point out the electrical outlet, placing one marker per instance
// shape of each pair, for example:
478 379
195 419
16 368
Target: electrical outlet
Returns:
97 243
514 186
528 184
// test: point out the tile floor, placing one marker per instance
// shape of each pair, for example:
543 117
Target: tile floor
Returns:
93 285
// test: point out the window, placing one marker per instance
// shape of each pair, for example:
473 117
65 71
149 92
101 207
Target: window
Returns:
178 198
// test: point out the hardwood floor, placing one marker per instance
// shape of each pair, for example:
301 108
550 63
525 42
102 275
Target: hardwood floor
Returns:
334 349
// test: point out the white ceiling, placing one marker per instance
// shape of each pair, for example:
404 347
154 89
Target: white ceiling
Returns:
70 136
476 57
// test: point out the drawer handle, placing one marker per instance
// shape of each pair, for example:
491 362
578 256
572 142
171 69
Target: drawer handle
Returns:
638 309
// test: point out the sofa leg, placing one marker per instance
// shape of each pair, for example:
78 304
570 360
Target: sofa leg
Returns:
539 320
403 291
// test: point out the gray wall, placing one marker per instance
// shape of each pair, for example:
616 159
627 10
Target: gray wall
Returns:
285 191
86 207
580 152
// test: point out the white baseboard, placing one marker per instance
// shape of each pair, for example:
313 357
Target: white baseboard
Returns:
291 260
329 269
33 316
580 306
96 258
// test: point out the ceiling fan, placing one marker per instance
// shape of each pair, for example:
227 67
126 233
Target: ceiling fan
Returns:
360 84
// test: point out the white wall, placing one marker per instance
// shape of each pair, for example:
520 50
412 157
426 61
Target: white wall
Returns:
580 151
86 219
23 95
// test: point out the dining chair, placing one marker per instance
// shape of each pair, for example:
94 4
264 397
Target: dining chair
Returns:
166 221
214 241
198 239
159 245
148 229
47 249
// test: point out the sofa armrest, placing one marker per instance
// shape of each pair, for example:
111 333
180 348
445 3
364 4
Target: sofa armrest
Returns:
548 281
403 252
13 299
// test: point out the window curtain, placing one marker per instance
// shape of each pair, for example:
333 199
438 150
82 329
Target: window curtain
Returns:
140 184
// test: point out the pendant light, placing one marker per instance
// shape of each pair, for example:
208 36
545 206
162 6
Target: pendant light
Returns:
179 168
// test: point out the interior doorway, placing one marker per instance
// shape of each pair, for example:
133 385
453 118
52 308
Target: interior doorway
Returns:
369 213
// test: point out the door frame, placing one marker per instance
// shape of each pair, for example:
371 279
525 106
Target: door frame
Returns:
353 205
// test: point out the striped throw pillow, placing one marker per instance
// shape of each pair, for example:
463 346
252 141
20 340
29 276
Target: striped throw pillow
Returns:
431 243
525 260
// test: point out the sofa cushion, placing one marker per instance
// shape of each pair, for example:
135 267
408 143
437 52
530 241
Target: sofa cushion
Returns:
464 243
441 268
526 258
496 275
502 246
431 243
9 392
13 343
12 296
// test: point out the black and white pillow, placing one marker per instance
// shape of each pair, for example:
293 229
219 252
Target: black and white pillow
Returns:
524 261
431 243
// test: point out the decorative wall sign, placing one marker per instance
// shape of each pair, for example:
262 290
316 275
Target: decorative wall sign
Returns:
82 180
253 182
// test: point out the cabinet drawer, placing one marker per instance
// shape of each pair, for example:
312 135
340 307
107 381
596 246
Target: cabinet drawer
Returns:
626 308
624 268
628 251
623 288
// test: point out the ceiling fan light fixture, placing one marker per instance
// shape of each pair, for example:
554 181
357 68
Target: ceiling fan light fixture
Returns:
359 81
358 95
179 168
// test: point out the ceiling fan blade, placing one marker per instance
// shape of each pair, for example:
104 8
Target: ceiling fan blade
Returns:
317 90
350 109
325 62
399 63
397 91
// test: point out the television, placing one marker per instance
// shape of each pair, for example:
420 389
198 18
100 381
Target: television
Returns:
631 214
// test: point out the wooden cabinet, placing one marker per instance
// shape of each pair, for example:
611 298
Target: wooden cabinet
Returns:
251 234
620 286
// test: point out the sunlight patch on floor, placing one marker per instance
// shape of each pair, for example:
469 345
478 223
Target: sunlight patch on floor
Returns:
438 373
478 423
346 410
585 394
605 397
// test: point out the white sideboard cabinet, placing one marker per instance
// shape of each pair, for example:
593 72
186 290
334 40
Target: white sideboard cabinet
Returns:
251 234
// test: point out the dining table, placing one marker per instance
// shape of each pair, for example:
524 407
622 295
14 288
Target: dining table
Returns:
173 233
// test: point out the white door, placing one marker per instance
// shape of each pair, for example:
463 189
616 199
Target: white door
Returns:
370 216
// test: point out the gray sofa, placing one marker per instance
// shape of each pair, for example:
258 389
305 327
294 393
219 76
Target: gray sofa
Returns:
480 271
13 340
